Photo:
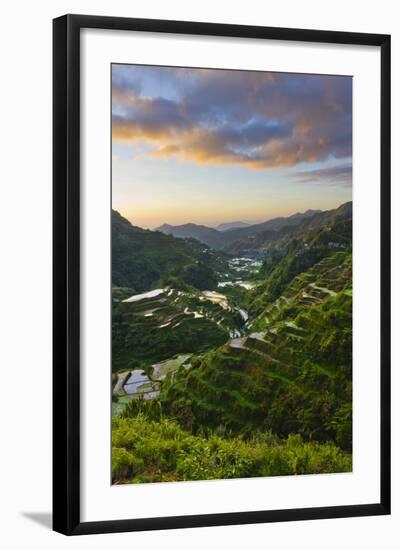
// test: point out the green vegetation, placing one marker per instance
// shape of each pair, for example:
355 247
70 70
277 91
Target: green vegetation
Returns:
152 451
293 378
173 322
141 258
254 379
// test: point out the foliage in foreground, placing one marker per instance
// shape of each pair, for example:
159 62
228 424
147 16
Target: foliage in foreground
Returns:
149 451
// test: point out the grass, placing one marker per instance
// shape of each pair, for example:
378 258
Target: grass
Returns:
279 403
155 451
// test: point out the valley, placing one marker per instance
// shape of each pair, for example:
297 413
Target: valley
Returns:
249 350
165 310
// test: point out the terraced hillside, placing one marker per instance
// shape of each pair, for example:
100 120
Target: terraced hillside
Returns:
326 278
161 323
235 366
291 373
284 263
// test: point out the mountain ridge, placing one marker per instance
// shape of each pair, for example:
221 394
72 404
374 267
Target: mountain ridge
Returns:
141 257
206 235
225 240
271 239
227 226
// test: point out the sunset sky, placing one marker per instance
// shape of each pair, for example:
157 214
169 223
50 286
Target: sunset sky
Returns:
212 146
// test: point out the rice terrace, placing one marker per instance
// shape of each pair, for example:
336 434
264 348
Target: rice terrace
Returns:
231 340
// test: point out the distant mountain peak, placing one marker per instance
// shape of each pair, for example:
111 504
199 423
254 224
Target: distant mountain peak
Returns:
231 225
313 211
309 212
207 235
163 227
224 235
193 226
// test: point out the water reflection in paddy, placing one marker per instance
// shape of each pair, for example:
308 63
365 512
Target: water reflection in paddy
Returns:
136 379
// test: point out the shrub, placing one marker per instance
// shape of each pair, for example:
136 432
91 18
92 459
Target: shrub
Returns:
149 451
124 464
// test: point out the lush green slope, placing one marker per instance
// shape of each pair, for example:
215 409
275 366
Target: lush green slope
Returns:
291 375
156 328
207 235
317 241
152 451
221 394
143 259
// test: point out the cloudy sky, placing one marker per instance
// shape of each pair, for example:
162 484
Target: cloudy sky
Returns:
211 146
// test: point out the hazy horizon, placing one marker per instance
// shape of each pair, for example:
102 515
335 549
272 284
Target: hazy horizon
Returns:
215 146
215 226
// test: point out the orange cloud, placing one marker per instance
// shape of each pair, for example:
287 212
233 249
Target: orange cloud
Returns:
254 119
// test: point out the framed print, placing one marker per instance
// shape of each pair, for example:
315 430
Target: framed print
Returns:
221 274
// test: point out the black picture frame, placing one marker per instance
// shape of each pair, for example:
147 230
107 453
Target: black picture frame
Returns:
66 273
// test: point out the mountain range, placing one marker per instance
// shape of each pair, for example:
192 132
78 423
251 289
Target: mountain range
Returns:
313 228
257 236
